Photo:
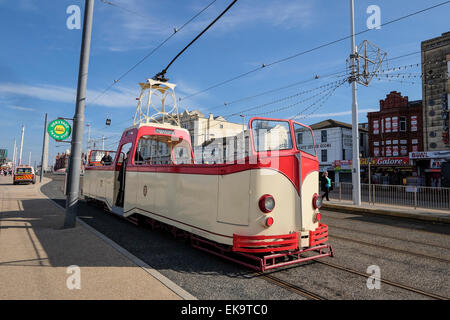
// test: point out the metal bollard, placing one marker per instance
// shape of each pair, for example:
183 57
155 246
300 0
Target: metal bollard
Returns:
415 197
373 195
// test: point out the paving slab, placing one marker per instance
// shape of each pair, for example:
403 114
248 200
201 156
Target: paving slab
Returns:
41 260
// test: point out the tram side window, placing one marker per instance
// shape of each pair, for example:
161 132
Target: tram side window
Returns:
157 150
182 153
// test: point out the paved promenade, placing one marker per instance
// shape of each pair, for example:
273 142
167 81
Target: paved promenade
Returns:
35 253
424 214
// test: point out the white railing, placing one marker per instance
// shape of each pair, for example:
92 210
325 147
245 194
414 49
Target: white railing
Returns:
409 196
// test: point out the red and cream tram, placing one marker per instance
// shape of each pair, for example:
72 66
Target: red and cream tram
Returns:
261 211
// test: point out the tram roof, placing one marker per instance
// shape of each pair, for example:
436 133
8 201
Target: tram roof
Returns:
157 125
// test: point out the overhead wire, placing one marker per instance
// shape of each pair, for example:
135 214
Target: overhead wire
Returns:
311 50
161 74
177 30
315 78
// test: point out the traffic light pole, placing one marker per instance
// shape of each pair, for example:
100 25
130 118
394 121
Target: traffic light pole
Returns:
78 120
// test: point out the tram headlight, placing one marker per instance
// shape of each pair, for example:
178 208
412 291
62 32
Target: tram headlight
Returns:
266 203
317 201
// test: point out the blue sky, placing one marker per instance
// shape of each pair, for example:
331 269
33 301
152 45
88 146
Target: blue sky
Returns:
40 57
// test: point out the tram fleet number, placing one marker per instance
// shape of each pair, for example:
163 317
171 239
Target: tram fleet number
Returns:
230 309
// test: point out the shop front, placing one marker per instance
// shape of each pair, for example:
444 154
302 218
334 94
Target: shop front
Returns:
389 170
430 165
343 170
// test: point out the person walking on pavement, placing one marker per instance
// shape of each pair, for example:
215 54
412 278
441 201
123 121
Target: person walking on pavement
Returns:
326 185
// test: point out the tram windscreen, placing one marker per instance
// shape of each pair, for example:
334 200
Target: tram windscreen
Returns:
270 135
156 150
304 139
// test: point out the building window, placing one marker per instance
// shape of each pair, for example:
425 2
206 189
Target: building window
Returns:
324 135
299 138
402 123
221 126
324 155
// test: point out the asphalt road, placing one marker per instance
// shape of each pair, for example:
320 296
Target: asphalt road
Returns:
411 253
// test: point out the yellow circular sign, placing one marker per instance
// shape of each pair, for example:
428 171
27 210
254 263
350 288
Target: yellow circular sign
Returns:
59 129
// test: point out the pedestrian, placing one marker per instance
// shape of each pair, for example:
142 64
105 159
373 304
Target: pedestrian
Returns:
106 160
326 185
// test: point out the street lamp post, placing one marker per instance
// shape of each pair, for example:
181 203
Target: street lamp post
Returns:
356 179
78 120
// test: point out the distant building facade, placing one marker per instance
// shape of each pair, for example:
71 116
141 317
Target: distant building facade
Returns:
395 130
202 128
435 91
334 146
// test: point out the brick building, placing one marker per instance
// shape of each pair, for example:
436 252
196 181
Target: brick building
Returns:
396 129
435 91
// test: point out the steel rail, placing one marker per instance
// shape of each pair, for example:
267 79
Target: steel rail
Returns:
378 216
291 287
390 248
390 237
385 281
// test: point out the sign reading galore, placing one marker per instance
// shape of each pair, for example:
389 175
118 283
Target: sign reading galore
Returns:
379 161
386 161
59 129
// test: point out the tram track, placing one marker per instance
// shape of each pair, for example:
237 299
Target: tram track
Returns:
385 281
390 248
390 237
325 216
291 287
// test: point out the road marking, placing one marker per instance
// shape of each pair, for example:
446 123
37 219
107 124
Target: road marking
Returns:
161 278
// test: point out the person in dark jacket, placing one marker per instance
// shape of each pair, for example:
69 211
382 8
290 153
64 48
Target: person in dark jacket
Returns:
326 185
106 160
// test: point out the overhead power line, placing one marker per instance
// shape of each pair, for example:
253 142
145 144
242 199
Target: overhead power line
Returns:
325 88
315 78
176 30
311 50
160 75
123 8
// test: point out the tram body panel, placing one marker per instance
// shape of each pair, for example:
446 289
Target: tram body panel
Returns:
285 213
309 187
131 191
195 208
234 198
145 196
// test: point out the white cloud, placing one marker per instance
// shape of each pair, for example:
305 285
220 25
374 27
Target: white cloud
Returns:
116 97
125 31
287 14
21 108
